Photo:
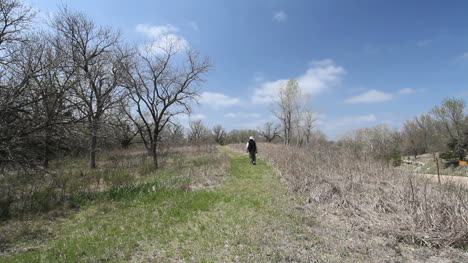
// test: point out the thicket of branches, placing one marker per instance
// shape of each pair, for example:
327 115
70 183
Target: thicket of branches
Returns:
297 120
73 87
442 131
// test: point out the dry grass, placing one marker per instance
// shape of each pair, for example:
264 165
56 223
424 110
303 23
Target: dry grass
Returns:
388 205
186 169
25 191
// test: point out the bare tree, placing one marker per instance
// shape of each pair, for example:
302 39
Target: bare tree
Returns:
298 120
237 136
425 124
379 142
122 127
219 134
317 137
286 108
413 138
50 82
451 114
15 20
309 120
198 132
94 51
15 97
173 134
160 89
269 131
353 142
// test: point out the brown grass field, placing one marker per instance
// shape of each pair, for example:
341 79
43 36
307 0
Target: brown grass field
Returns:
369 209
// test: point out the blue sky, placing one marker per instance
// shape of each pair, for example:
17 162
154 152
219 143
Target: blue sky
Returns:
362 62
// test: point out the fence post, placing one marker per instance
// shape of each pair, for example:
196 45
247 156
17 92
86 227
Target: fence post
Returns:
438 172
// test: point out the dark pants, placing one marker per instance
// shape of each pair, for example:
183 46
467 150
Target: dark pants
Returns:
252 157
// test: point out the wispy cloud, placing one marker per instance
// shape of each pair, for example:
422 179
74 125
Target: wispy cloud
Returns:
370 96
156 31
216 100
406 91
320 76
280 16
161 36
243 115
191 117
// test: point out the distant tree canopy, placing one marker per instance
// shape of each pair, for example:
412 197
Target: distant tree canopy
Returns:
443 129
74 87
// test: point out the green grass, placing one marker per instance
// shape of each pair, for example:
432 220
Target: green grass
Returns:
248 218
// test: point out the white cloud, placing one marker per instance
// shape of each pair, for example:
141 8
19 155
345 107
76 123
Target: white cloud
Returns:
268 92
191 117
370 96
280 16
407 91
320 76
166 41
162 36
217 100
244 115
156 32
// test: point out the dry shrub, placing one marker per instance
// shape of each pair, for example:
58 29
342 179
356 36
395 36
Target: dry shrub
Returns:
373 197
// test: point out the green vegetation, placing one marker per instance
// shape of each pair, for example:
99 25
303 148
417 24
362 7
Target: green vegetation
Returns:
246 218
396 159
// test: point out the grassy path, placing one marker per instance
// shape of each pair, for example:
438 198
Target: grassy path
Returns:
250 217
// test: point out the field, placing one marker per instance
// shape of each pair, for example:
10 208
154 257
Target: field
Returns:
207 204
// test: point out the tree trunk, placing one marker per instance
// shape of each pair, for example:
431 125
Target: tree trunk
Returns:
155 160
285 135
45 160
154 154
93 146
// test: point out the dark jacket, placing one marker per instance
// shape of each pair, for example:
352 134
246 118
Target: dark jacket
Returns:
252 146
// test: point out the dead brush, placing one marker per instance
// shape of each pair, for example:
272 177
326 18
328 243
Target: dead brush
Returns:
374 197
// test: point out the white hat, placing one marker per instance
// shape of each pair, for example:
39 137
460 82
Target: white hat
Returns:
251 138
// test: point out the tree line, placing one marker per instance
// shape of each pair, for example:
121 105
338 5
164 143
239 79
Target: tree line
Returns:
71 86
442 130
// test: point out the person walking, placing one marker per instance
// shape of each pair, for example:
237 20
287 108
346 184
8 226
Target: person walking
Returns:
251 148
